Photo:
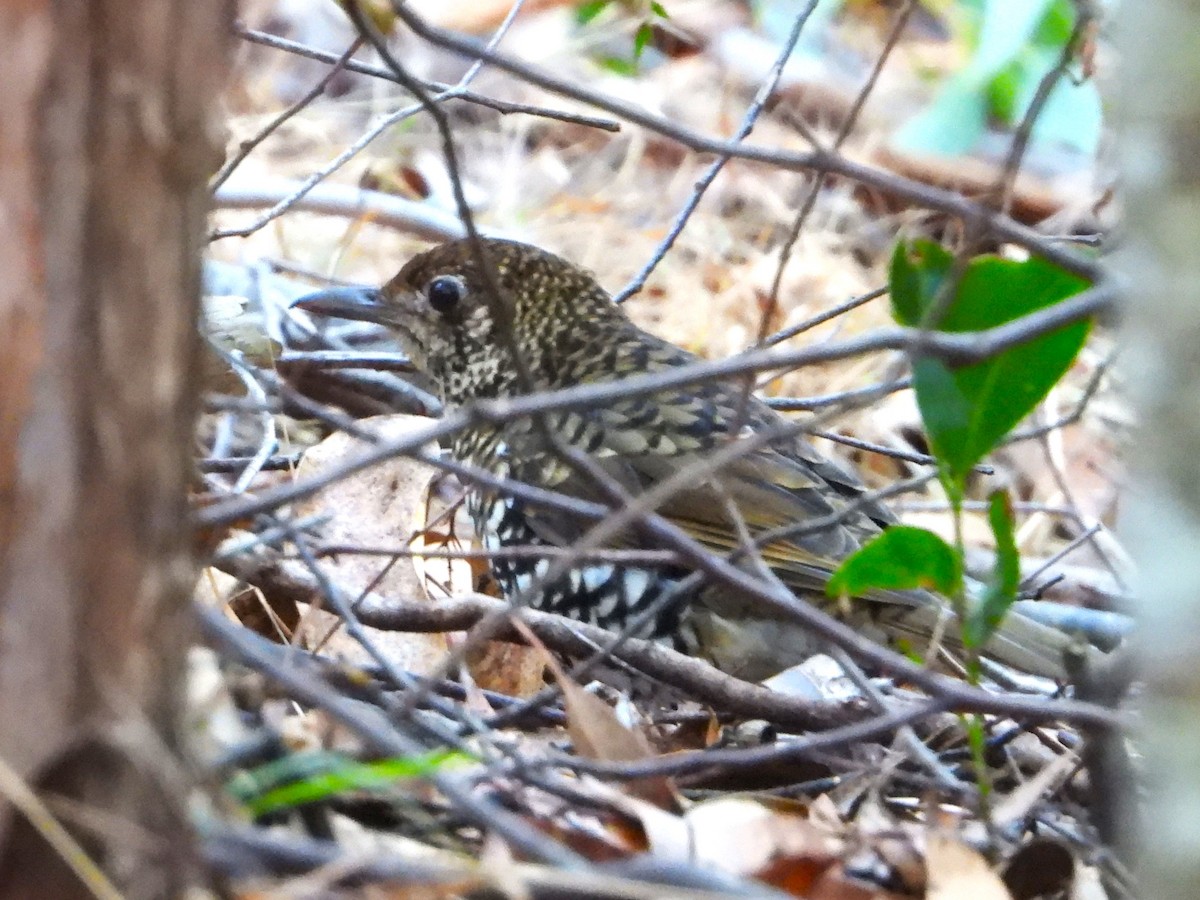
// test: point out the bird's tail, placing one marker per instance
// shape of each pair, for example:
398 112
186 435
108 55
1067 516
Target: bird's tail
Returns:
924 623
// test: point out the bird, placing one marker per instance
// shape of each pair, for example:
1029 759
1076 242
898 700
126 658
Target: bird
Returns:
489 319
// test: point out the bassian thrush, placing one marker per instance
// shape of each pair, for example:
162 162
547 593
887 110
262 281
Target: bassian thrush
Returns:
567 331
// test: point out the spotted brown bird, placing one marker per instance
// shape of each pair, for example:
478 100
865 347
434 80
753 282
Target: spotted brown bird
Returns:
462 325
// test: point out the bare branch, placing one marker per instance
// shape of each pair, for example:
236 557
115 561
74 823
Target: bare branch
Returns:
915 192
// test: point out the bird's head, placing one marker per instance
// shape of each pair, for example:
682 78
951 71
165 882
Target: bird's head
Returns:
451 315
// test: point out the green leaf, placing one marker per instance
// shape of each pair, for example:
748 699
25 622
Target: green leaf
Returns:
1004 93
918 271
956 121
659 10
948 415
1072 115
1001 591
977 741
293 767
1016 43
585 12
901 558
309 778
1007 27
641 39
951 126
968 410
618 65
1056 26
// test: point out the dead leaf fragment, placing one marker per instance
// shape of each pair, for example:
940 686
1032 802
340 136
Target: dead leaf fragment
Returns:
378 506
835 884
1041 868
597 733
390 505
748 838
956 872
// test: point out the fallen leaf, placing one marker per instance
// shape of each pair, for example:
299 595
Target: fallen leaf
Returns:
499 666
1041 868
748 838
391 505
597 733
835 884
378 506
956 872
506 669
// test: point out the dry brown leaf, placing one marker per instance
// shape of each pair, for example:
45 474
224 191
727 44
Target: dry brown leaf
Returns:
800 875
506 669
691 734
597 733
273 617
956 872
1041 868
498 666
835 884
376 507
1034 198
595 729
663 833
389 505
595 837
748 838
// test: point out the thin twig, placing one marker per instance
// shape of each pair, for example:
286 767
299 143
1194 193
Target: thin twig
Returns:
301 683
246 147
709 176
916 192
501 106
953 347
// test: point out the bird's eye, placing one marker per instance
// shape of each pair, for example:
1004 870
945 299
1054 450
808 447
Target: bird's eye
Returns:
445 292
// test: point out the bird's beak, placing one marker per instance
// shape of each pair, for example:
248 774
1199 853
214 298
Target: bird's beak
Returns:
364 304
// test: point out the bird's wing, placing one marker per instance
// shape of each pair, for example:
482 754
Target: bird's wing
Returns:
769 488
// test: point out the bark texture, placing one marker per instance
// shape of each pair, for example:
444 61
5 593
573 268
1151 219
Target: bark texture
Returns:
1160 143
108 137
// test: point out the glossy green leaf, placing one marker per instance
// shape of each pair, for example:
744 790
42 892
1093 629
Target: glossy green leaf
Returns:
917 274
1015 43
967 410
1057 24
309 778
1004 93
901 558
948 415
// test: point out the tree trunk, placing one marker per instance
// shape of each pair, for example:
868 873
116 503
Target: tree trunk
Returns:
1160 125
108 135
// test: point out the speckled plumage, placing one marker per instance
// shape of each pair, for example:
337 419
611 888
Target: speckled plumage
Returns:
567 331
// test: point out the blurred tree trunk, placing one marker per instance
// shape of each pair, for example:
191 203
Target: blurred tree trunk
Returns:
108 135
1160 126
